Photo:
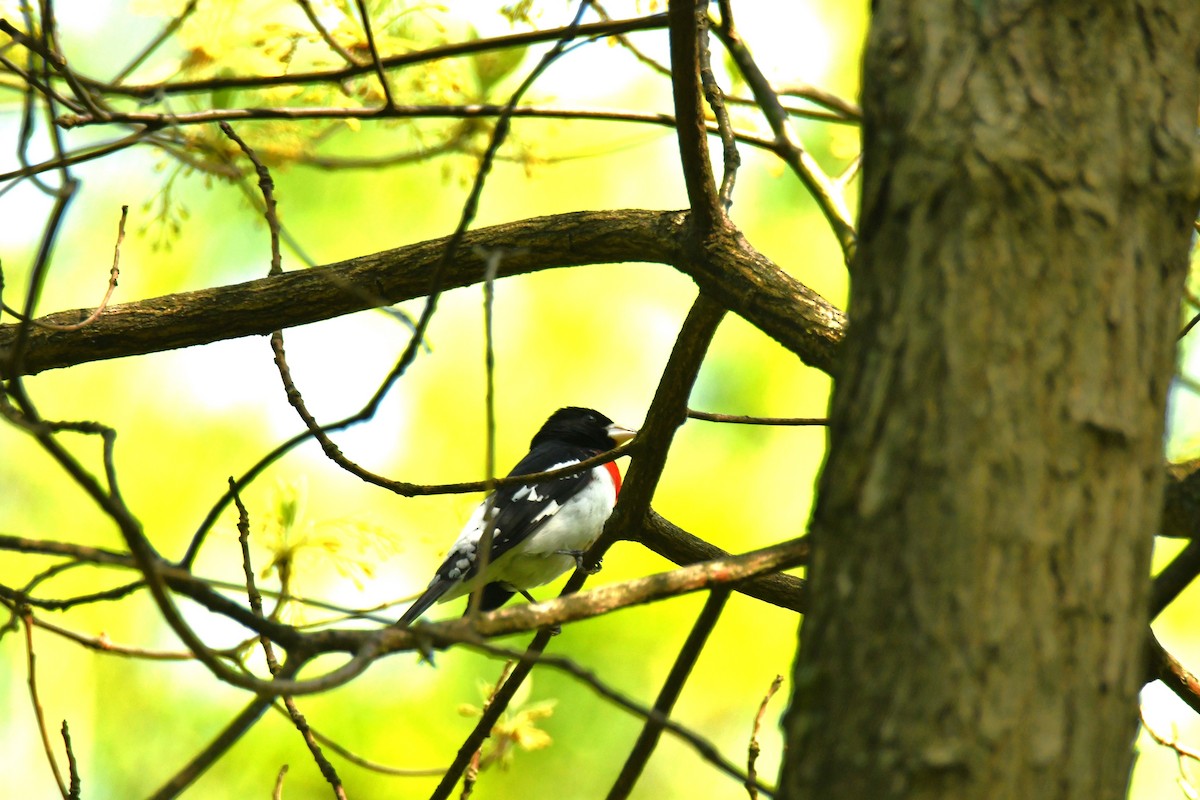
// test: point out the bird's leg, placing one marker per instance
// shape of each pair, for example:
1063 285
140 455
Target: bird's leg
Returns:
555 630
423 645
578 556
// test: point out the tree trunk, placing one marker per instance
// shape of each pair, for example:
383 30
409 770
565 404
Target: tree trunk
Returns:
984 522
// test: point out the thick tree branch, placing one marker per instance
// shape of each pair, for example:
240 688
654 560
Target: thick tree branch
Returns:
754 574
685 18
1162 666
677 545
1181 500
722 572
736 275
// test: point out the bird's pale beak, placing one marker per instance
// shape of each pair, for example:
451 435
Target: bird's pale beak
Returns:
619 434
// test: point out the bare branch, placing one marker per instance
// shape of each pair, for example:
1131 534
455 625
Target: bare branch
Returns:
102 644
667 412
339 76
1176 576
491 713
267 186
44 49
685 21
357 760
716 101
324 33
277 793
375 59
156 42
790 149
723 572
38 714
702 746
76 785
1164 667
738 277
669 694
112 285
743 420
753 750
231 734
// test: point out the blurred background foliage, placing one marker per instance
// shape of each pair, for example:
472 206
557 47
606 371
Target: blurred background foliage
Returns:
596 336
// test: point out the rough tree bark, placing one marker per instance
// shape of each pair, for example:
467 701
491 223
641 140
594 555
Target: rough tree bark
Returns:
984 521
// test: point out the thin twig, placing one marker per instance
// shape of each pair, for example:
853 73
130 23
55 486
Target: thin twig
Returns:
736 419
376 61
113 274
633 49
487 720
472 772
832 205
102 644
505 694
220 744
669 694
492 260
266 185
76 785
79 156
1188 328
459 111
29 105
432 54
357 760
156 42
277 793
754 749
844 109
82 554
324 33
706 749
731 159
31 665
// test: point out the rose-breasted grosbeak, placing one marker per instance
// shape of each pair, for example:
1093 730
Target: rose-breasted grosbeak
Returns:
539 530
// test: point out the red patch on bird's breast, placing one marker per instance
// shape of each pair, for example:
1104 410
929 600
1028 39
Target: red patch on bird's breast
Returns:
616 476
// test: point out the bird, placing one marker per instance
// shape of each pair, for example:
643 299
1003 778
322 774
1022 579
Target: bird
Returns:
539 529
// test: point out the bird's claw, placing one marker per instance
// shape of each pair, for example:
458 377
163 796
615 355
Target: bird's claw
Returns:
423 644
578 556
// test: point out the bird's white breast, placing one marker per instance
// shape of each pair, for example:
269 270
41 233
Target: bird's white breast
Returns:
572 525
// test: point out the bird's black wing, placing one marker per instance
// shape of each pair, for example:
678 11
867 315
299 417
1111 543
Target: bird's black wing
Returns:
517 512
523 508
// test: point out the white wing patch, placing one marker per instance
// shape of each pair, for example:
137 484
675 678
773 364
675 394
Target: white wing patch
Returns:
529 493
549 511
538 558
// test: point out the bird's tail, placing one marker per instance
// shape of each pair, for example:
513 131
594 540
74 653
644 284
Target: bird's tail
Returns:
421 604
